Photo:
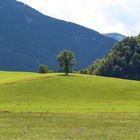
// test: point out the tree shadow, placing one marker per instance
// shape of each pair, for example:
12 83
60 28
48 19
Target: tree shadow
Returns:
64 75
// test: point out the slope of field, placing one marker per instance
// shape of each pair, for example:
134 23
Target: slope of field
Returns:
29 92
16 77
77 107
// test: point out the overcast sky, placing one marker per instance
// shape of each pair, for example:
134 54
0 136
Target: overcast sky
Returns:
105 16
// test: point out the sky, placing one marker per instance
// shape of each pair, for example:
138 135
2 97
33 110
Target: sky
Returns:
104 16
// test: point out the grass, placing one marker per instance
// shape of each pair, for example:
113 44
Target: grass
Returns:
15 77
79 107
30 92
72 126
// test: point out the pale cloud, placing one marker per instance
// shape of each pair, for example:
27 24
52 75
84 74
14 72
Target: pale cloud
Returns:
102 15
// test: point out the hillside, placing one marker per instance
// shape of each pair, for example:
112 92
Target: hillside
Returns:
28 38
123 60
75 93
115 36
53 106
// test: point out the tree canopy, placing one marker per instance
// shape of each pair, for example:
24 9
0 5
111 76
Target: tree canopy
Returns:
123 61
66 60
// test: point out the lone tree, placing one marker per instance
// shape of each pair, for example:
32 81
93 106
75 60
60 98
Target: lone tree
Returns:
66 60
42 69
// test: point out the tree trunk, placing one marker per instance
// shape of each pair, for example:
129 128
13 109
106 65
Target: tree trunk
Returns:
67 70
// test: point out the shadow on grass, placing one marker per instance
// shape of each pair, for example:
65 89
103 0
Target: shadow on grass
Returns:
64 75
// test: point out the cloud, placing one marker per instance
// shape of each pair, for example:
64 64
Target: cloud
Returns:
102 15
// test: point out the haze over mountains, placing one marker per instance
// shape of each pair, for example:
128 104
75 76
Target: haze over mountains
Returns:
116 36
29 38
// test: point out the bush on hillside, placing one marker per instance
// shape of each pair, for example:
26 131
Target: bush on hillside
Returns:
42 69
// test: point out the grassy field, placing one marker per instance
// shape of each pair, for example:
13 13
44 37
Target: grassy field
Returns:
71 126
30 92
53 106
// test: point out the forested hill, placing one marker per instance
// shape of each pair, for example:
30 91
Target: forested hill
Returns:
123 61
28 38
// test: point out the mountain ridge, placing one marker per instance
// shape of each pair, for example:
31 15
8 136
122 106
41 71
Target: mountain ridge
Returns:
28 38
116 36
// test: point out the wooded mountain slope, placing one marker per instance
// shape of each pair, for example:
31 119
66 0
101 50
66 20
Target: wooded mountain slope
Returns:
28 38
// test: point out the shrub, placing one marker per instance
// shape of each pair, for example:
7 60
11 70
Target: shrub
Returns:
42 69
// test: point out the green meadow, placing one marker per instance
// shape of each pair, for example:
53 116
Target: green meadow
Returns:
80 107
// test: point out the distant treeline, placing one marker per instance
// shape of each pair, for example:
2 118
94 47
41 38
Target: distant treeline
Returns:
123 61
